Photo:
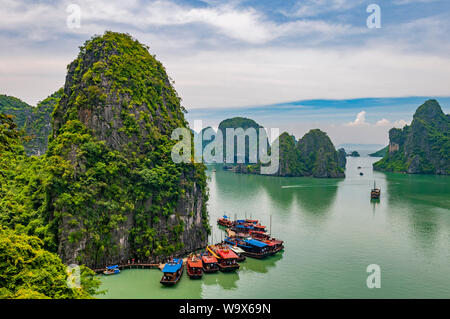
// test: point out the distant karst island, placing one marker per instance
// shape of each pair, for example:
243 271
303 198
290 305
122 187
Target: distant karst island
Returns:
422 147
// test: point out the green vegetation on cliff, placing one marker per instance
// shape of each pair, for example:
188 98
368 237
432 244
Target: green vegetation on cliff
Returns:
35 121
380 153
107 189
27 270
422 147
313 155
250 147
115 192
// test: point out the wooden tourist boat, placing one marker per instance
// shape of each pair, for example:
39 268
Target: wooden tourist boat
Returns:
194 267
210 263
112 270
239 252
173 270
375 192
252 247
225 221
227 259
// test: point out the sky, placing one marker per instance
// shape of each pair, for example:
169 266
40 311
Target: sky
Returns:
264 58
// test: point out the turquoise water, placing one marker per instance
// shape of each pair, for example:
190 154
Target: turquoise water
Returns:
332 232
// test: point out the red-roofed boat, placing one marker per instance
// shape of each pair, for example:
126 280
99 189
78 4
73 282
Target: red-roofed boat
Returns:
228 260
210 263
225 221
194 267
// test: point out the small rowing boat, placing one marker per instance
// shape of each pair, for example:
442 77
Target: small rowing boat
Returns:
112 270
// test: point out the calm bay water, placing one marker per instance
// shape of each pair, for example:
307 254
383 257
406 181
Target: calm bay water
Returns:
332 232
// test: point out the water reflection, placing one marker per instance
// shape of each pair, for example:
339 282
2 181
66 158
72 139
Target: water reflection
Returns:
420 200
316 196
261 265
227 280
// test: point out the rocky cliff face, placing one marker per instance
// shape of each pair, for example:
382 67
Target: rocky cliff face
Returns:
313 155
244 124
342 158
35 121
421 148
319 155
115 193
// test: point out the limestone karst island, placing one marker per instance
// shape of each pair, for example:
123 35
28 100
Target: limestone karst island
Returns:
204 150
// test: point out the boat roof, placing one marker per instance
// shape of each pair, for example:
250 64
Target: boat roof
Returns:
255 242
236 249
113 267
226 254
195 263
173 267
209 259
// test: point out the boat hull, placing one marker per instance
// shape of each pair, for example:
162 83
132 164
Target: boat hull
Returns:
193 275
172 282
228 268
210 270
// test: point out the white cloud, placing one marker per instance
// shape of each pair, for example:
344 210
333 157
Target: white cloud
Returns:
312 8
360 120
383 122
386 122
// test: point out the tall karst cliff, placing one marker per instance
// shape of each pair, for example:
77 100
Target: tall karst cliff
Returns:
422 147
114 191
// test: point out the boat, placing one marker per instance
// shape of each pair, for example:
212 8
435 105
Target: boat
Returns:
252 247
225 221
194 267
247 225
210 263
112 270
375 192
227 259
275 245
239 252
173 270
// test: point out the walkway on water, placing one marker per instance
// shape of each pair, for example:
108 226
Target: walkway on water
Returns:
132 266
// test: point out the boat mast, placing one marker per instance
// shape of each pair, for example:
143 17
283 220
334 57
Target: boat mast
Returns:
270 230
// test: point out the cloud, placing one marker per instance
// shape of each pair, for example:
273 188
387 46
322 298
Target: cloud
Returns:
360 120
313 8
385 122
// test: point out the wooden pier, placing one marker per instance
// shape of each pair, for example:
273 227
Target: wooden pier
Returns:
132 266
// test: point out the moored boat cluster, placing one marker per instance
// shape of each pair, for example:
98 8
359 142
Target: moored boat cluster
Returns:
246 238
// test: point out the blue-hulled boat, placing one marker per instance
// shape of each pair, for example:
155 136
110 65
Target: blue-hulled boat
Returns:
112 270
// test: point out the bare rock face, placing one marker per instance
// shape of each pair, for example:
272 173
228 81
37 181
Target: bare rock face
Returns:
115 193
